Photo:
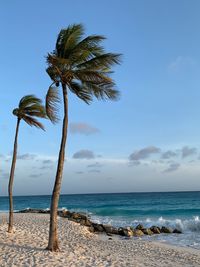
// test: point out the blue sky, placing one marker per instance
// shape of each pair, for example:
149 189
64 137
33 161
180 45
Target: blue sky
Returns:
121 146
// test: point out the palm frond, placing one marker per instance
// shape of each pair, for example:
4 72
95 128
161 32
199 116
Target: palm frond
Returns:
36 113
102 91
30 107
80 91
101 62
16 112
29 100
87 49
54 60
52 72
36 110
82 65
68 38
92 76
33 122
52 101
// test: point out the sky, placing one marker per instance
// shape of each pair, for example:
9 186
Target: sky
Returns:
149 140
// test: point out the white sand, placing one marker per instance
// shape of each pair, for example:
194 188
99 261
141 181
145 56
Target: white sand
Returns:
26 247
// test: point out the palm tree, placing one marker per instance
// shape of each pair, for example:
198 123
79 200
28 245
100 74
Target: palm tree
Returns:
80 65
30 107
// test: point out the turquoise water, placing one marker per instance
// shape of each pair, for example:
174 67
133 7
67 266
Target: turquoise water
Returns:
175 209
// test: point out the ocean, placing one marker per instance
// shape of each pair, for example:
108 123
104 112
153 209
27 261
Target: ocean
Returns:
179 210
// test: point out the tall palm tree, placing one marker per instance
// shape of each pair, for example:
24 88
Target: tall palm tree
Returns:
79 65
30 108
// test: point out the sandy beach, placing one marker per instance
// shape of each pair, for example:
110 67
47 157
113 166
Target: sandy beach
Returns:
79 247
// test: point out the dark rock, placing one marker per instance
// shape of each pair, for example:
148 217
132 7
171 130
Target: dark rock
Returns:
44 211
24 211
128 231
86 222
138 232
166 230
64 213
125 231
139 227
91 229
109 229
155 229
78 216
176 231
98 227
147 231
34 211
121 231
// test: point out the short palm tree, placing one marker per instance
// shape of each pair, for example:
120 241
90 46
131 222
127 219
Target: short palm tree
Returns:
79 65
30 108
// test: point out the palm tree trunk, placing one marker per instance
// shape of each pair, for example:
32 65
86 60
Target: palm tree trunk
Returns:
10 186
53 231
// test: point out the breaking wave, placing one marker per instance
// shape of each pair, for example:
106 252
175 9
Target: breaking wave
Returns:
185 225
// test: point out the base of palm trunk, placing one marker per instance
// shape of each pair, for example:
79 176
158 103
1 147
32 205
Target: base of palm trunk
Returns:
10 229
53 248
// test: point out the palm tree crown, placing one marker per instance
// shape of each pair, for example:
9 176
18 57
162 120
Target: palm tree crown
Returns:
29 108
82 65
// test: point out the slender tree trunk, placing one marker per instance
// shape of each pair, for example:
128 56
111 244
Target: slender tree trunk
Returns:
10 186
53 231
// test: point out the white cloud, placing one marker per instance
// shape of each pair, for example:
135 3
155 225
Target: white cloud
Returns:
84 154
168 154
26 156
95 165
144 153
47 161
82 128
172 167
78 174
188 151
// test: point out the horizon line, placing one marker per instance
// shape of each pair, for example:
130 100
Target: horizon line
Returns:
102 193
